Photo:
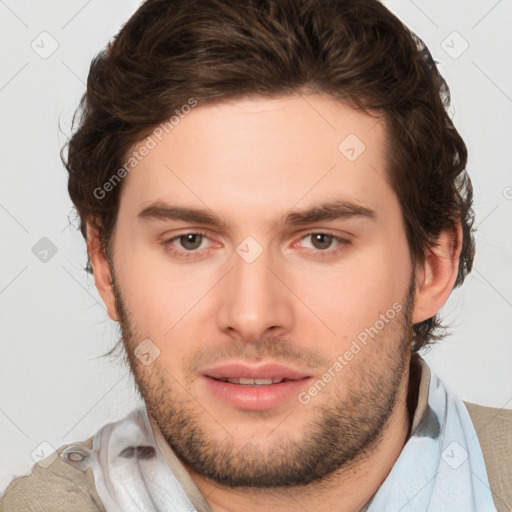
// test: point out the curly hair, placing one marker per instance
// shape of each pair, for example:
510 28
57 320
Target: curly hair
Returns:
357 51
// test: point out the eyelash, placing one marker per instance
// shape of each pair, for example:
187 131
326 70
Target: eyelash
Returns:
342 243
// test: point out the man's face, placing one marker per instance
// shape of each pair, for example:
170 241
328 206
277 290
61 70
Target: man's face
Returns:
259 296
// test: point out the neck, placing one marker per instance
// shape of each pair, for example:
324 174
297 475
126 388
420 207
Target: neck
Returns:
349 489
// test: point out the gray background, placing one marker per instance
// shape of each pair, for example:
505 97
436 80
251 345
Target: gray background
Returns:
54 389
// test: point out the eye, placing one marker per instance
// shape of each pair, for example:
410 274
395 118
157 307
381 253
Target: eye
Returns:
322 242
191 241
186 245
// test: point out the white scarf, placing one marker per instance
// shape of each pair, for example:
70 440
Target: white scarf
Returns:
440 469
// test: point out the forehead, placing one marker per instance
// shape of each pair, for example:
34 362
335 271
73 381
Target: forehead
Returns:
261 155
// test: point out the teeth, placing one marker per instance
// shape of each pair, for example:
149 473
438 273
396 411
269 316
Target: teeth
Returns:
253 382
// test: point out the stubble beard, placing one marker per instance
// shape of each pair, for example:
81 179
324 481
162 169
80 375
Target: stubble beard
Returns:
337 436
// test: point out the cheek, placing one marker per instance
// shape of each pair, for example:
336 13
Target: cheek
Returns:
350 297
156 294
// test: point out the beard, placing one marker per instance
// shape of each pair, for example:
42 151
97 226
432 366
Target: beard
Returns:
337 436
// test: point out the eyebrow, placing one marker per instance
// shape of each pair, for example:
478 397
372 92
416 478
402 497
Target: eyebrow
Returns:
328 211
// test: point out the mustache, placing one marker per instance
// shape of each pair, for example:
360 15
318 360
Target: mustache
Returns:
269 348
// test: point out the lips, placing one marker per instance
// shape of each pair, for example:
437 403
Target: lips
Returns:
273 371
255 388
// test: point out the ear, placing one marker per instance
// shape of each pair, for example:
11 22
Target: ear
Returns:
436 276
101 270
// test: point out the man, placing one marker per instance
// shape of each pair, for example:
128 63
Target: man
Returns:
275 206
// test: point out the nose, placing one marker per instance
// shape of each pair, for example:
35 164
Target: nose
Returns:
254 300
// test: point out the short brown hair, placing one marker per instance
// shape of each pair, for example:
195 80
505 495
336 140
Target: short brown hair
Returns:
357 51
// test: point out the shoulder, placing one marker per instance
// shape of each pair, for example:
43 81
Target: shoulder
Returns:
494 430
53 485
493 427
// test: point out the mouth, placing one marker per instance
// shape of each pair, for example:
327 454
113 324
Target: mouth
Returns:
253 382
254 388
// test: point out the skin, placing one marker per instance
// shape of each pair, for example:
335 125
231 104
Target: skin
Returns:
251 161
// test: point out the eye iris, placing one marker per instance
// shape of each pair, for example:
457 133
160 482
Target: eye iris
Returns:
191 241
323 239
